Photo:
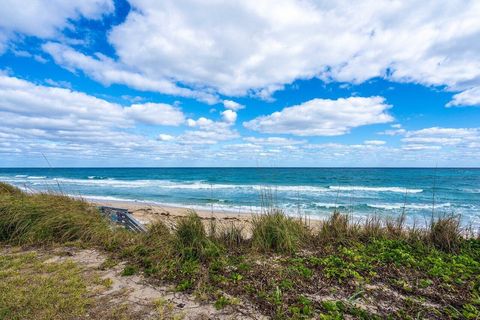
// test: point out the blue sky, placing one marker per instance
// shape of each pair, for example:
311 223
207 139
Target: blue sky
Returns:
239 83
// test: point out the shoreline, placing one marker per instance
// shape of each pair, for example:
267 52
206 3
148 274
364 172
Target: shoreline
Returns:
147 213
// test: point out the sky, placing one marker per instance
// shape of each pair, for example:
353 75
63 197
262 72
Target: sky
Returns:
107 83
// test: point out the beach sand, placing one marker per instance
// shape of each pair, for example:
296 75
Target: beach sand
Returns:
149 213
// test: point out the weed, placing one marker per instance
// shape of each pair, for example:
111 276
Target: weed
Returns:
129 270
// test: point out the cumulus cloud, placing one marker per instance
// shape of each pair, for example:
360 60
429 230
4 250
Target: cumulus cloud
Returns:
324 117
232 105
36 117
443 136
470 97
247 47
27 99
207 131
108 71
229 116
156 114
45 18
165 137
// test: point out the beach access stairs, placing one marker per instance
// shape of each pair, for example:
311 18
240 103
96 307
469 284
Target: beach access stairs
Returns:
123 218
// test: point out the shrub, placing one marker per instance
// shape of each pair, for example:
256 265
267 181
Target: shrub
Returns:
274 231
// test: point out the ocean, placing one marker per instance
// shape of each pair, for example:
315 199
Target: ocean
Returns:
315 192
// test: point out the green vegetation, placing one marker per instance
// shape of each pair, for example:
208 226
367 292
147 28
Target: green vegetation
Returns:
288 269
275 232
48 218
32 289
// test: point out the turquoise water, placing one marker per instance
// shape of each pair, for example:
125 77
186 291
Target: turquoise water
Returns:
313 191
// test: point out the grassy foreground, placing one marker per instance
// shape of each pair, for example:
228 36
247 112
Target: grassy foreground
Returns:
374 270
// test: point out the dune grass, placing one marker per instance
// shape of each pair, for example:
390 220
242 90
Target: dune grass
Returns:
48 218
274 231
434 271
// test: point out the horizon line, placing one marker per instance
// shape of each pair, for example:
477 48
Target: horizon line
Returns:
244 167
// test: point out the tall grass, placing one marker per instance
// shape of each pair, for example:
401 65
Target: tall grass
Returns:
275 231
48 218
445 233
232 235
191 239
337 228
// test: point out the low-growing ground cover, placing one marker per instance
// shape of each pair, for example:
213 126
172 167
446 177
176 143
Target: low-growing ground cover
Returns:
378 269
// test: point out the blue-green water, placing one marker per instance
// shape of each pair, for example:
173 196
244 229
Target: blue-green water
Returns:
312 191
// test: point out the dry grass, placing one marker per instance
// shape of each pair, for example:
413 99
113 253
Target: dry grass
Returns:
445 233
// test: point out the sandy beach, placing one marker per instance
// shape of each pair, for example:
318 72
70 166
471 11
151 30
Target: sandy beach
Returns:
147 213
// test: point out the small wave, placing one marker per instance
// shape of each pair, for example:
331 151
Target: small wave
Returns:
36 177
375 189
21 176
416 206
327 205
206 207
193 185
104 198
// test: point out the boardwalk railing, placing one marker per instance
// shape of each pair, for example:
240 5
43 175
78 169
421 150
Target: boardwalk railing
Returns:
121 216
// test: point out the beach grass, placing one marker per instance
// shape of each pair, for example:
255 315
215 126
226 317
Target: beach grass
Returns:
274 231
377 269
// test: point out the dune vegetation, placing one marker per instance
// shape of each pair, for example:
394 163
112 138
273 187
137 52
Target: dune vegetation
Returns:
376 269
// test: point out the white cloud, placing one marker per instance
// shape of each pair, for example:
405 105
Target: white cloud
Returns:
208 131
443 136
156 114
202 122
229 116
36 118
232 105
27 99
108 71
45 18
374 142
324 117
247 47
419 147
273 141
165 137
396 131
470 97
